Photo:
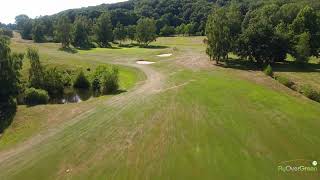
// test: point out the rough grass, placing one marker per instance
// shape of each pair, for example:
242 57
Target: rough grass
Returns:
202 124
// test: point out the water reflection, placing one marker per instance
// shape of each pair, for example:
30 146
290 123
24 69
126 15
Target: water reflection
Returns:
72 96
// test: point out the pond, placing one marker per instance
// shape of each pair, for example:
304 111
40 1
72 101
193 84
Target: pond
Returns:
73 96
70 95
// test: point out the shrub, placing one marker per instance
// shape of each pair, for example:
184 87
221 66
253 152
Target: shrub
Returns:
105 80
96 85
53 81
285 81
81 81
310 93
36 96
6 32
268 71
110 82
67 80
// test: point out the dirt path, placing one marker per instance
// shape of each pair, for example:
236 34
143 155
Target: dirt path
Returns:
152 84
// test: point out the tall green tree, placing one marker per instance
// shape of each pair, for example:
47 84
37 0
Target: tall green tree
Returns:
223 30
218 34
146 31
80 32
261 43
10 66
38 31
303 49
131 31
119 33
167 31
63 31
308 21
24 25
103 30
36 71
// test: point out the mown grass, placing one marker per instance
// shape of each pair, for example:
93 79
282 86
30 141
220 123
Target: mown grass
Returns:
30 121
204 124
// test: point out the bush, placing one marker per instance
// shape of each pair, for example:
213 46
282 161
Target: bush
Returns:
268 71
67 80
110 82
36 96
81 81
6 32
53 82
105 80
285 81
310 93
96 85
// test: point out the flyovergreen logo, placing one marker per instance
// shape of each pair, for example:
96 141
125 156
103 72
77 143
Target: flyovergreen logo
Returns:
293 166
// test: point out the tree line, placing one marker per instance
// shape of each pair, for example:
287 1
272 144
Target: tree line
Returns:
85 33
186 17
264 32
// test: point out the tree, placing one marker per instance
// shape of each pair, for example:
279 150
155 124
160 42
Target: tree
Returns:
261 43
190 29
131 31
218 34
21 21
24 25
80 32
103 30
63 31
10 65
119 33
36 71
303 50
308 21
38 31
167 31
146 31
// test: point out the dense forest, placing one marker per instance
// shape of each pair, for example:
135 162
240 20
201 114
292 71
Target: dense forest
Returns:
171 17
184 17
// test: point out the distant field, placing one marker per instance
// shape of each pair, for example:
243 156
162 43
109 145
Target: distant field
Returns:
187 119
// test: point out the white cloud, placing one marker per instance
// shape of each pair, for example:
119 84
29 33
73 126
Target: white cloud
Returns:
33 8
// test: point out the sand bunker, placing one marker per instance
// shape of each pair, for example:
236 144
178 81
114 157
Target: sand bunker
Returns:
164 55
145 62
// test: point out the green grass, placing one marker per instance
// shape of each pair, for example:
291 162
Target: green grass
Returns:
30 121
204 124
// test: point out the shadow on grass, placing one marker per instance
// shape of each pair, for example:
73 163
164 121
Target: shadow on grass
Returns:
240 64
286 66
289 66
154 47
127 45
7 114
119 91
69 50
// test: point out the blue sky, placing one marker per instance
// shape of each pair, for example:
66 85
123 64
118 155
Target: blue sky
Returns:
33 8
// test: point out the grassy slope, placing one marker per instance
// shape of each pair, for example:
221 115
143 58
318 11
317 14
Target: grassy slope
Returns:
30 120
218 125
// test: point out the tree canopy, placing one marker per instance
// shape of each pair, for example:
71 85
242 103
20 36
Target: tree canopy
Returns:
146 31
63 30
264 31
103 30
10 65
